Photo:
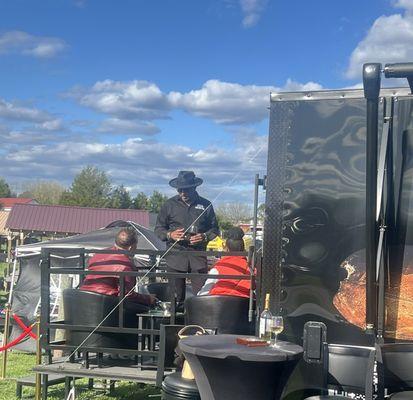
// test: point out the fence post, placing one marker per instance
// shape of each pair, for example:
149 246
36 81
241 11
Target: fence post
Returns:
5 339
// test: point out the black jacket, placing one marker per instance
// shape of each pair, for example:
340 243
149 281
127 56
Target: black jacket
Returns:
175 214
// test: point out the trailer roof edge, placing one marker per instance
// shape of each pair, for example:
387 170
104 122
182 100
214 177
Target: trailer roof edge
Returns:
336 94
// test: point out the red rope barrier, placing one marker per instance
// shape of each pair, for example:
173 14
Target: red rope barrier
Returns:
24 327
27 331
18 339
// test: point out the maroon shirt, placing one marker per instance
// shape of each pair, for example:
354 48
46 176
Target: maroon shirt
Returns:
109 284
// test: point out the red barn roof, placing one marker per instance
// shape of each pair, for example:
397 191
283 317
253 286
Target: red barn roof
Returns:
68 219
8 202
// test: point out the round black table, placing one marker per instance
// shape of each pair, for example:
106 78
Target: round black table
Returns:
225 370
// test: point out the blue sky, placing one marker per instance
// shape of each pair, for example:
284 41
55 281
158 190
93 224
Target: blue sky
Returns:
142 89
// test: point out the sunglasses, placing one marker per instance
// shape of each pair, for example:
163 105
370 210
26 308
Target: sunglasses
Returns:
186 190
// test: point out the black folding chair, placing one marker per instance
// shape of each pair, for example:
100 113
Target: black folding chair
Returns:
395 371
347 369
226 314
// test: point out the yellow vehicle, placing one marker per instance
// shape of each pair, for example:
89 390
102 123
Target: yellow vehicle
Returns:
216 245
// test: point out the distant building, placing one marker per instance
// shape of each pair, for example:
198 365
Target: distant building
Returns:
248 229
7 203
64 220
28 220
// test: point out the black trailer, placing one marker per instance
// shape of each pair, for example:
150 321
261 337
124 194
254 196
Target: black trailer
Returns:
337 235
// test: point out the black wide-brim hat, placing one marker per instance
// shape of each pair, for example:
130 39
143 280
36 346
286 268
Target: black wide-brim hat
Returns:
185 180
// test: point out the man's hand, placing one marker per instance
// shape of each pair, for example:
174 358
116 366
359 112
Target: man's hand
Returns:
177 235
198 238
152 299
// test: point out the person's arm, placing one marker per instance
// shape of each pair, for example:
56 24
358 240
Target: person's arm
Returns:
209 283
162 225
130 283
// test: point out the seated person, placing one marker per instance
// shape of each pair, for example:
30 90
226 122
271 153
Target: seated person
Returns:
229 265
126 239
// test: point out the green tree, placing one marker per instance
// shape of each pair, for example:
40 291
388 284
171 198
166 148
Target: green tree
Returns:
234 213
120 198
141 201
44 192
90 188
223 224
156 201
4 188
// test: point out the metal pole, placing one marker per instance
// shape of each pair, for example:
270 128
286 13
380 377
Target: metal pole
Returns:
371 83
5 339
255 216
251 263
38 392
253 248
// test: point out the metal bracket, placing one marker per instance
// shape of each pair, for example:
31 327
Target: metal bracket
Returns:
262 182
382 160
400 70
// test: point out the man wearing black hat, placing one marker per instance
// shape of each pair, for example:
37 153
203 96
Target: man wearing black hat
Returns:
187 222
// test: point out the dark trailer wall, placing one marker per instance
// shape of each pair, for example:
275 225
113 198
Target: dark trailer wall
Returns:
314 239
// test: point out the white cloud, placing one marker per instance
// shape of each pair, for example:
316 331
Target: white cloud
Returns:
134 162
128 127
389 40
13 111
232 103
406 4
19 42
24 138
133 105
127 100
225 103
292 86
252 10
51 125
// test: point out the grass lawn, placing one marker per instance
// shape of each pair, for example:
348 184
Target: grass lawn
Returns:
20 364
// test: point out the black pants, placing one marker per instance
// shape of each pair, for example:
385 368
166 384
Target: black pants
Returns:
185 262
131 308
180 283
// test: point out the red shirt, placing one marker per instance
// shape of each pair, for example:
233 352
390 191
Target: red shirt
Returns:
109 284
229 265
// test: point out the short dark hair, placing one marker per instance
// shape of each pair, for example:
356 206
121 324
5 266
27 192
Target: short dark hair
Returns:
234 240
126 237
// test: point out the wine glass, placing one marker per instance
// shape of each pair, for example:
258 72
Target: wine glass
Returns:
191 231
277 326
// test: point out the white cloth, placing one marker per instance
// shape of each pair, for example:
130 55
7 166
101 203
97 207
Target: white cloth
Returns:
209 283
